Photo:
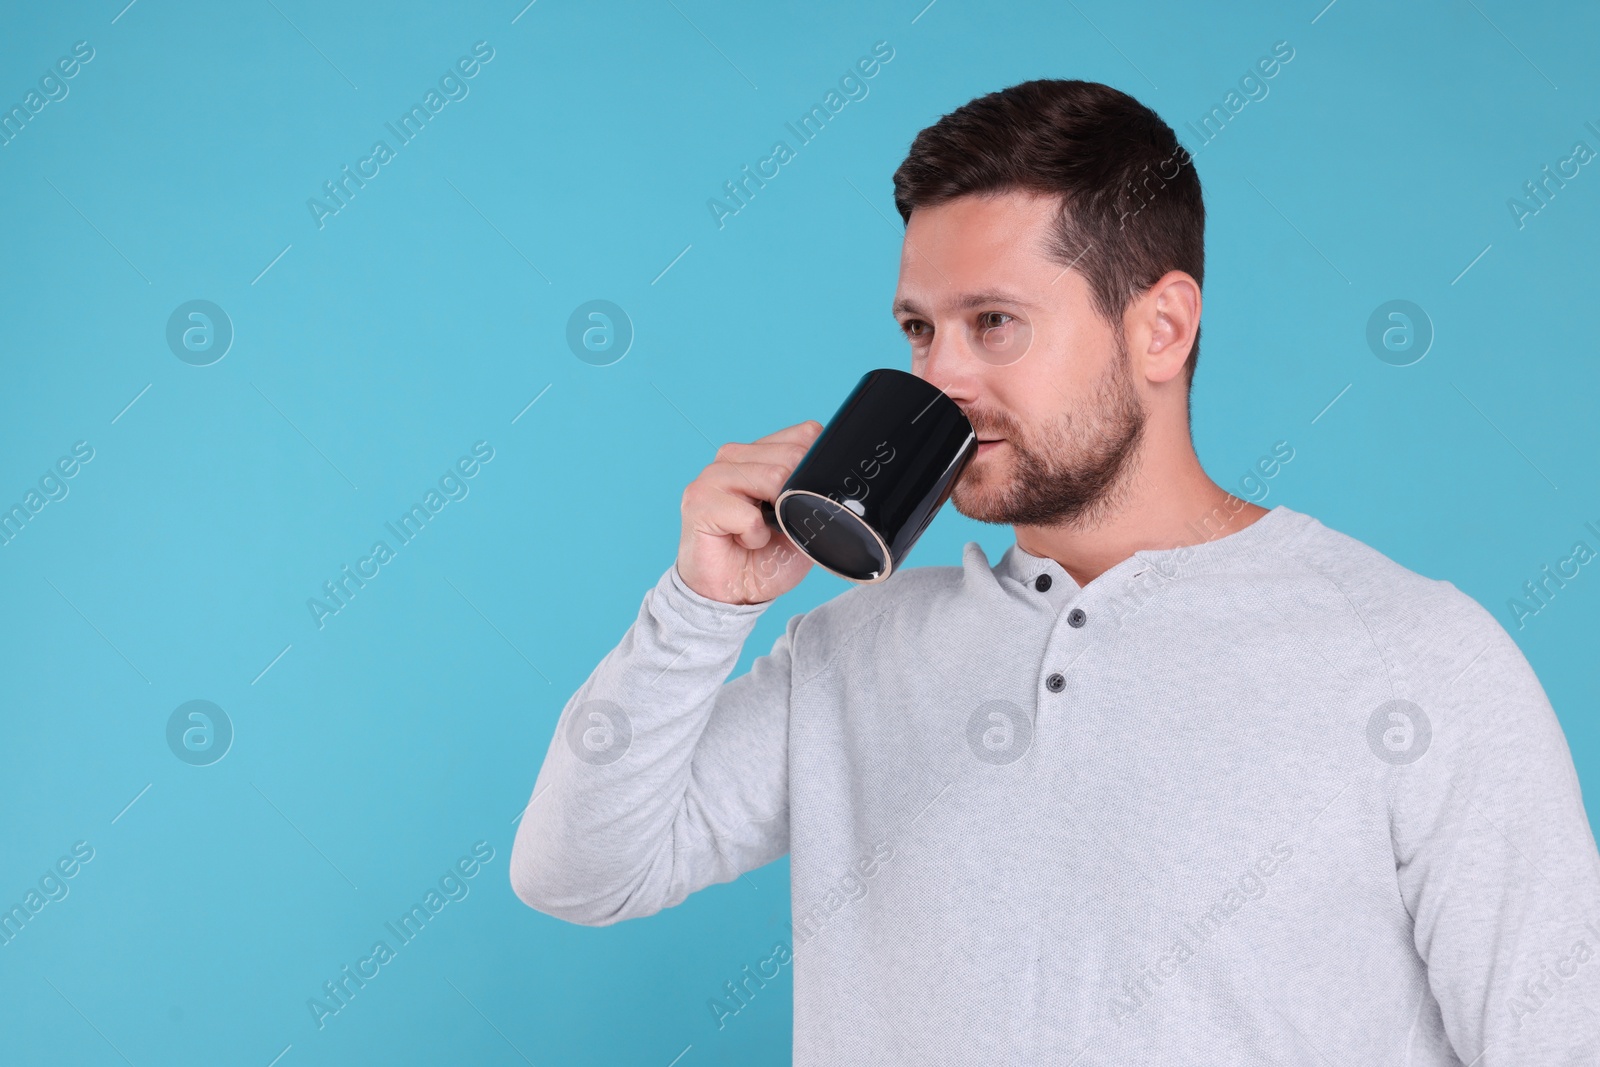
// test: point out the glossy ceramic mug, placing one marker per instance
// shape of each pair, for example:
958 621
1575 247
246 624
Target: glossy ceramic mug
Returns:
875 477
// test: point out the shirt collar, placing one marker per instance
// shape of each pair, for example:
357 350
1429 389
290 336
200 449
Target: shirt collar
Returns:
1021 566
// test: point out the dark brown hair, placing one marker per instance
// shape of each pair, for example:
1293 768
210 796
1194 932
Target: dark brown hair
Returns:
1131 208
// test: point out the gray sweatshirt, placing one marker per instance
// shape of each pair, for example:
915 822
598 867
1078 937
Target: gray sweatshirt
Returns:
1268 799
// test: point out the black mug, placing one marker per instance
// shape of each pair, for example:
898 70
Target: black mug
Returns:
875 477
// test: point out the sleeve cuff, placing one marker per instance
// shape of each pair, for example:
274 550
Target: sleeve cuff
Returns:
674 596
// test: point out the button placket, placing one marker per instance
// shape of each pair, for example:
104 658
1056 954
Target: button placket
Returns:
1056 681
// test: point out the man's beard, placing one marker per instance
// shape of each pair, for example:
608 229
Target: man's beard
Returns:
1070 475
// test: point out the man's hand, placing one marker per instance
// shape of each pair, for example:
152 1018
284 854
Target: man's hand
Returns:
727 551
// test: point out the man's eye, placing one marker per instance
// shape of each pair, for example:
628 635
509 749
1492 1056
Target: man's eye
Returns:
915 329
991 319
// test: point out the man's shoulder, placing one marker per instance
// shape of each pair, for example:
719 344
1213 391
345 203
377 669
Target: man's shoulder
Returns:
908 587
1402 608
920 593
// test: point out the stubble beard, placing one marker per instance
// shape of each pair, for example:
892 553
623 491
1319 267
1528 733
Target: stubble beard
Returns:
1072 473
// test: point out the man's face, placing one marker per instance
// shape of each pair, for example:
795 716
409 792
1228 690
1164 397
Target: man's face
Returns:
1014 339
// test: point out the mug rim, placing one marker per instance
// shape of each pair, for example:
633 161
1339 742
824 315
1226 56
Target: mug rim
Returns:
888 557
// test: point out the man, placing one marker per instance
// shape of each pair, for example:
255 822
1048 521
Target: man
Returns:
1179 780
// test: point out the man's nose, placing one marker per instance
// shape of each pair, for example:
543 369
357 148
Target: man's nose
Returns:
950 365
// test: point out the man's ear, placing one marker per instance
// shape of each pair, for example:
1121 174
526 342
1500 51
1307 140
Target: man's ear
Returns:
1162 324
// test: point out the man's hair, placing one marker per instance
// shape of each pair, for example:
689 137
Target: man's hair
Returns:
1131 208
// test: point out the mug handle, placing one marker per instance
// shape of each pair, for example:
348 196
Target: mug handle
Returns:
770 514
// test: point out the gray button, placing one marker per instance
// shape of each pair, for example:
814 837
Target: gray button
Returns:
1055 683
1076 618
1042 582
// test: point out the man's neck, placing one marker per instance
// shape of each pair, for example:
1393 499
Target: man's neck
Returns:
1150 508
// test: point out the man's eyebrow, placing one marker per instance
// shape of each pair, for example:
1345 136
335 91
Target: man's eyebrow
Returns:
965 303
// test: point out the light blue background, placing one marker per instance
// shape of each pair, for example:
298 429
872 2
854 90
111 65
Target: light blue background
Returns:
429 312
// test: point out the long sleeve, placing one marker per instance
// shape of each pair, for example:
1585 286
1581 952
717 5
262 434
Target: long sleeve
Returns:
1498 866
662 777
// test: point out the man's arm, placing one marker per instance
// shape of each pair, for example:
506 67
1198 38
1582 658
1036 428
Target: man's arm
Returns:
661 779
1498 867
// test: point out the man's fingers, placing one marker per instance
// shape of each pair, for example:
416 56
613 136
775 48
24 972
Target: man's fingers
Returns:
728 513
803 432
751 480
